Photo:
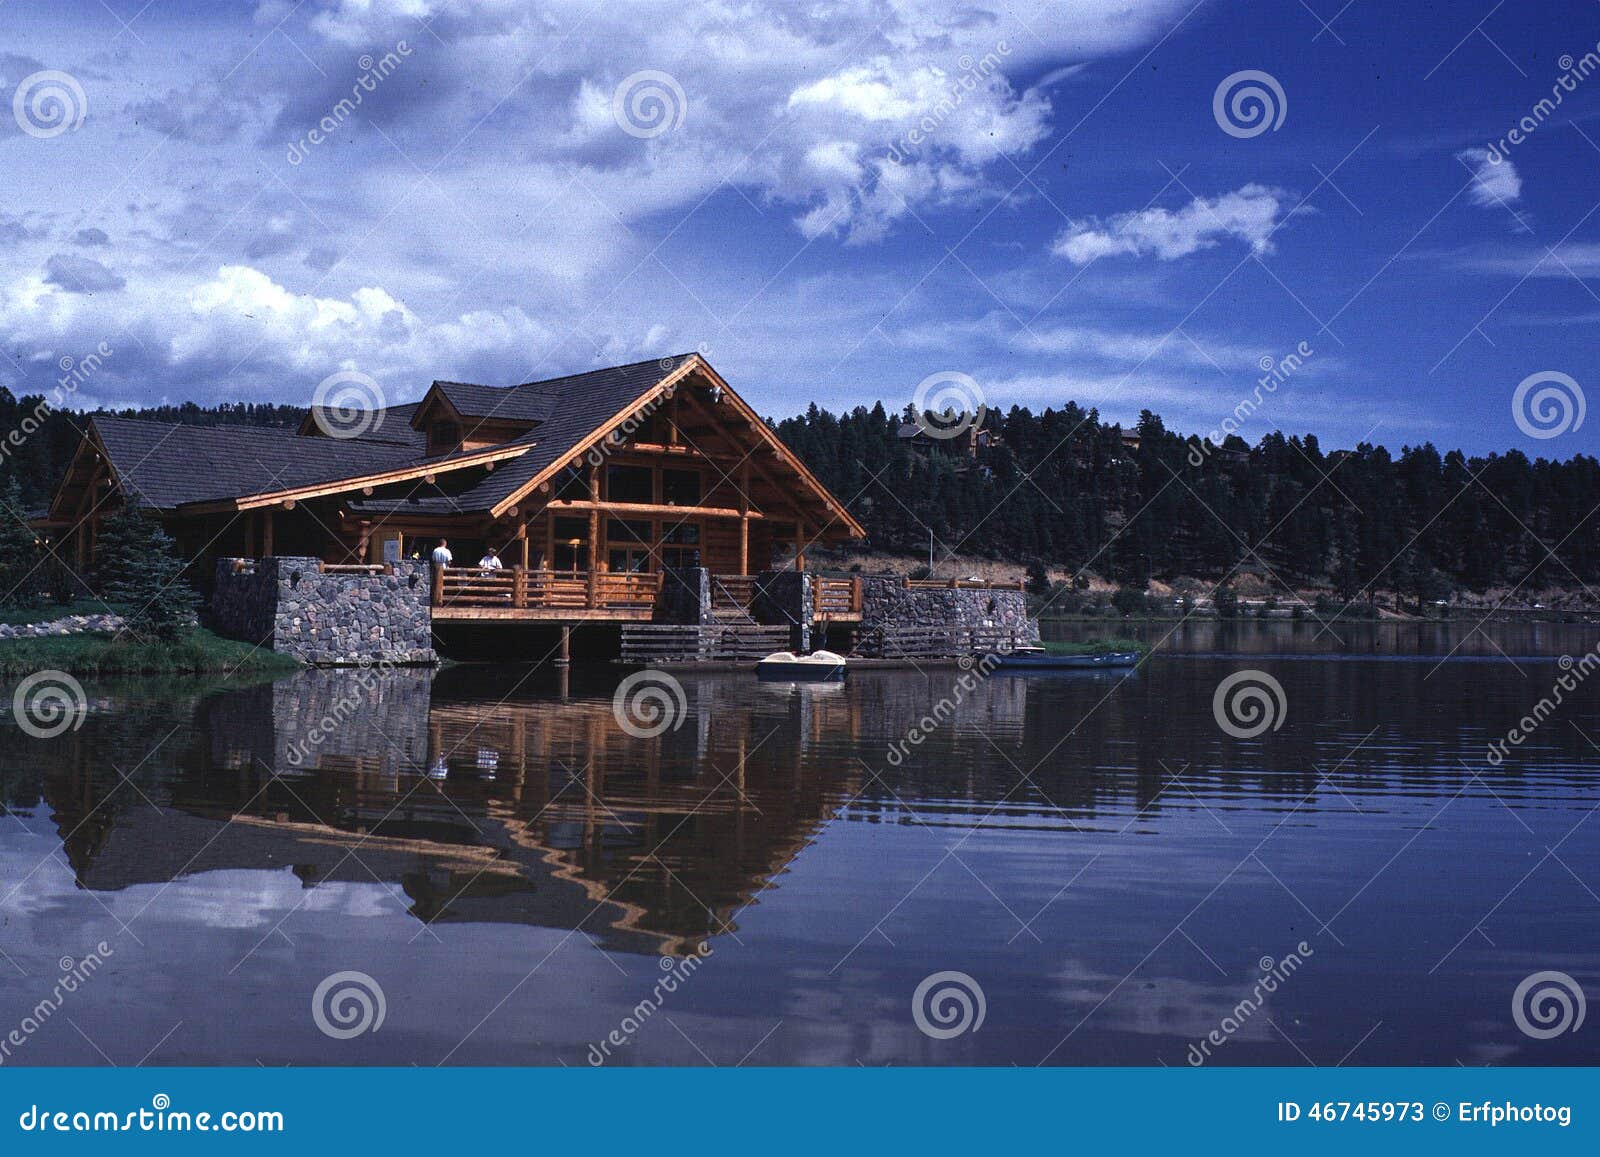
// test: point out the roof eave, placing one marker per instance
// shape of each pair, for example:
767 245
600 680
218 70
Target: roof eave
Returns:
353 482
694 363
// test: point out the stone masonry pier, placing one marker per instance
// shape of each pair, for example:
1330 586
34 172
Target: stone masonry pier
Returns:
324 615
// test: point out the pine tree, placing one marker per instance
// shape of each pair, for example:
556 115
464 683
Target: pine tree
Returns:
140 568
19 570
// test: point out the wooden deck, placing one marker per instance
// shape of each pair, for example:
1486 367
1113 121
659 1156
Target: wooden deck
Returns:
537 595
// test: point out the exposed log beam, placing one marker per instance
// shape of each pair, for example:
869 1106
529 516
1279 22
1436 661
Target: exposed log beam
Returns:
562 506
729 436
350 485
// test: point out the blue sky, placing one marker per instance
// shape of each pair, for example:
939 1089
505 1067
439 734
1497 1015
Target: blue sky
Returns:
812 205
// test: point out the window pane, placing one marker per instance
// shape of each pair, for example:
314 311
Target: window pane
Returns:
573 483
680 487
629 484
627 530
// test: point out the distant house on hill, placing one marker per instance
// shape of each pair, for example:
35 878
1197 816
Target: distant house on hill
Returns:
961 449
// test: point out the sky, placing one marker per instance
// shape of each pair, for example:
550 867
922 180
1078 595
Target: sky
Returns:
1125 204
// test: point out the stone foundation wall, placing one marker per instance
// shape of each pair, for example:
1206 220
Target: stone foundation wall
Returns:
887 603
685 596
291 606
786 598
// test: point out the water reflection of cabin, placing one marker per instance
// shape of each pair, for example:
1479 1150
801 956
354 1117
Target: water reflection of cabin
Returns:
538 812
589 486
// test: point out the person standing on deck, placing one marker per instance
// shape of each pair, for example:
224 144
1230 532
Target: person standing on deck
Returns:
441 554
490 561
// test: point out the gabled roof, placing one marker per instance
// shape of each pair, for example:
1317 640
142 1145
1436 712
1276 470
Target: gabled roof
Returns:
585 402
526 403
392 424
205 468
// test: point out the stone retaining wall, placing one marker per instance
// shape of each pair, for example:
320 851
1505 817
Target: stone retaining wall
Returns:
886 602
326 619
787 598
685 596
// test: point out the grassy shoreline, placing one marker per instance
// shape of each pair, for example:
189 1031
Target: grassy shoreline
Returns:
1097 647
197 652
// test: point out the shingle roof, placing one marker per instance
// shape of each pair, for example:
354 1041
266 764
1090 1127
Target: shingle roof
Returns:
525 403
392 424
581 403
165 465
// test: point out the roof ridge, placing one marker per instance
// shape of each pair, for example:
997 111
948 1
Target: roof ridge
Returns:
674 358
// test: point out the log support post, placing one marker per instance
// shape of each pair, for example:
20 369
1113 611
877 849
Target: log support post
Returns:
744 518
594 538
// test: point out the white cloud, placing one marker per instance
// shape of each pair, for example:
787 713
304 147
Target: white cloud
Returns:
242 334
1574 259
1494 181
483 216
857 114
1249 214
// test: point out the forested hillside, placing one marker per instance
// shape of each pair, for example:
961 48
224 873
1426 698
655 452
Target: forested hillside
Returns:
1061 487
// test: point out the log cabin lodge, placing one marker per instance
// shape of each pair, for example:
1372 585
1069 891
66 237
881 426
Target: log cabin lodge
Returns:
590 487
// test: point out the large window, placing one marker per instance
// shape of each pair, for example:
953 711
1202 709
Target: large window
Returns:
680 546
572 544
680 487
628 546
573 484
630 484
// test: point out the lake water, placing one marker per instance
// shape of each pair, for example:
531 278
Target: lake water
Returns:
1115 873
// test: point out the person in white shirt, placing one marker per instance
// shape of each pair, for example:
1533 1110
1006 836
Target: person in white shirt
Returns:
442 555
490 560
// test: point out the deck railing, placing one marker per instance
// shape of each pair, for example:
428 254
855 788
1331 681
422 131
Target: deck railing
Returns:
916 642
732 592
517 589
953 584
836 598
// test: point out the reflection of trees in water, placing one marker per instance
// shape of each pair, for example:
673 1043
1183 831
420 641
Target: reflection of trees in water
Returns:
121 757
